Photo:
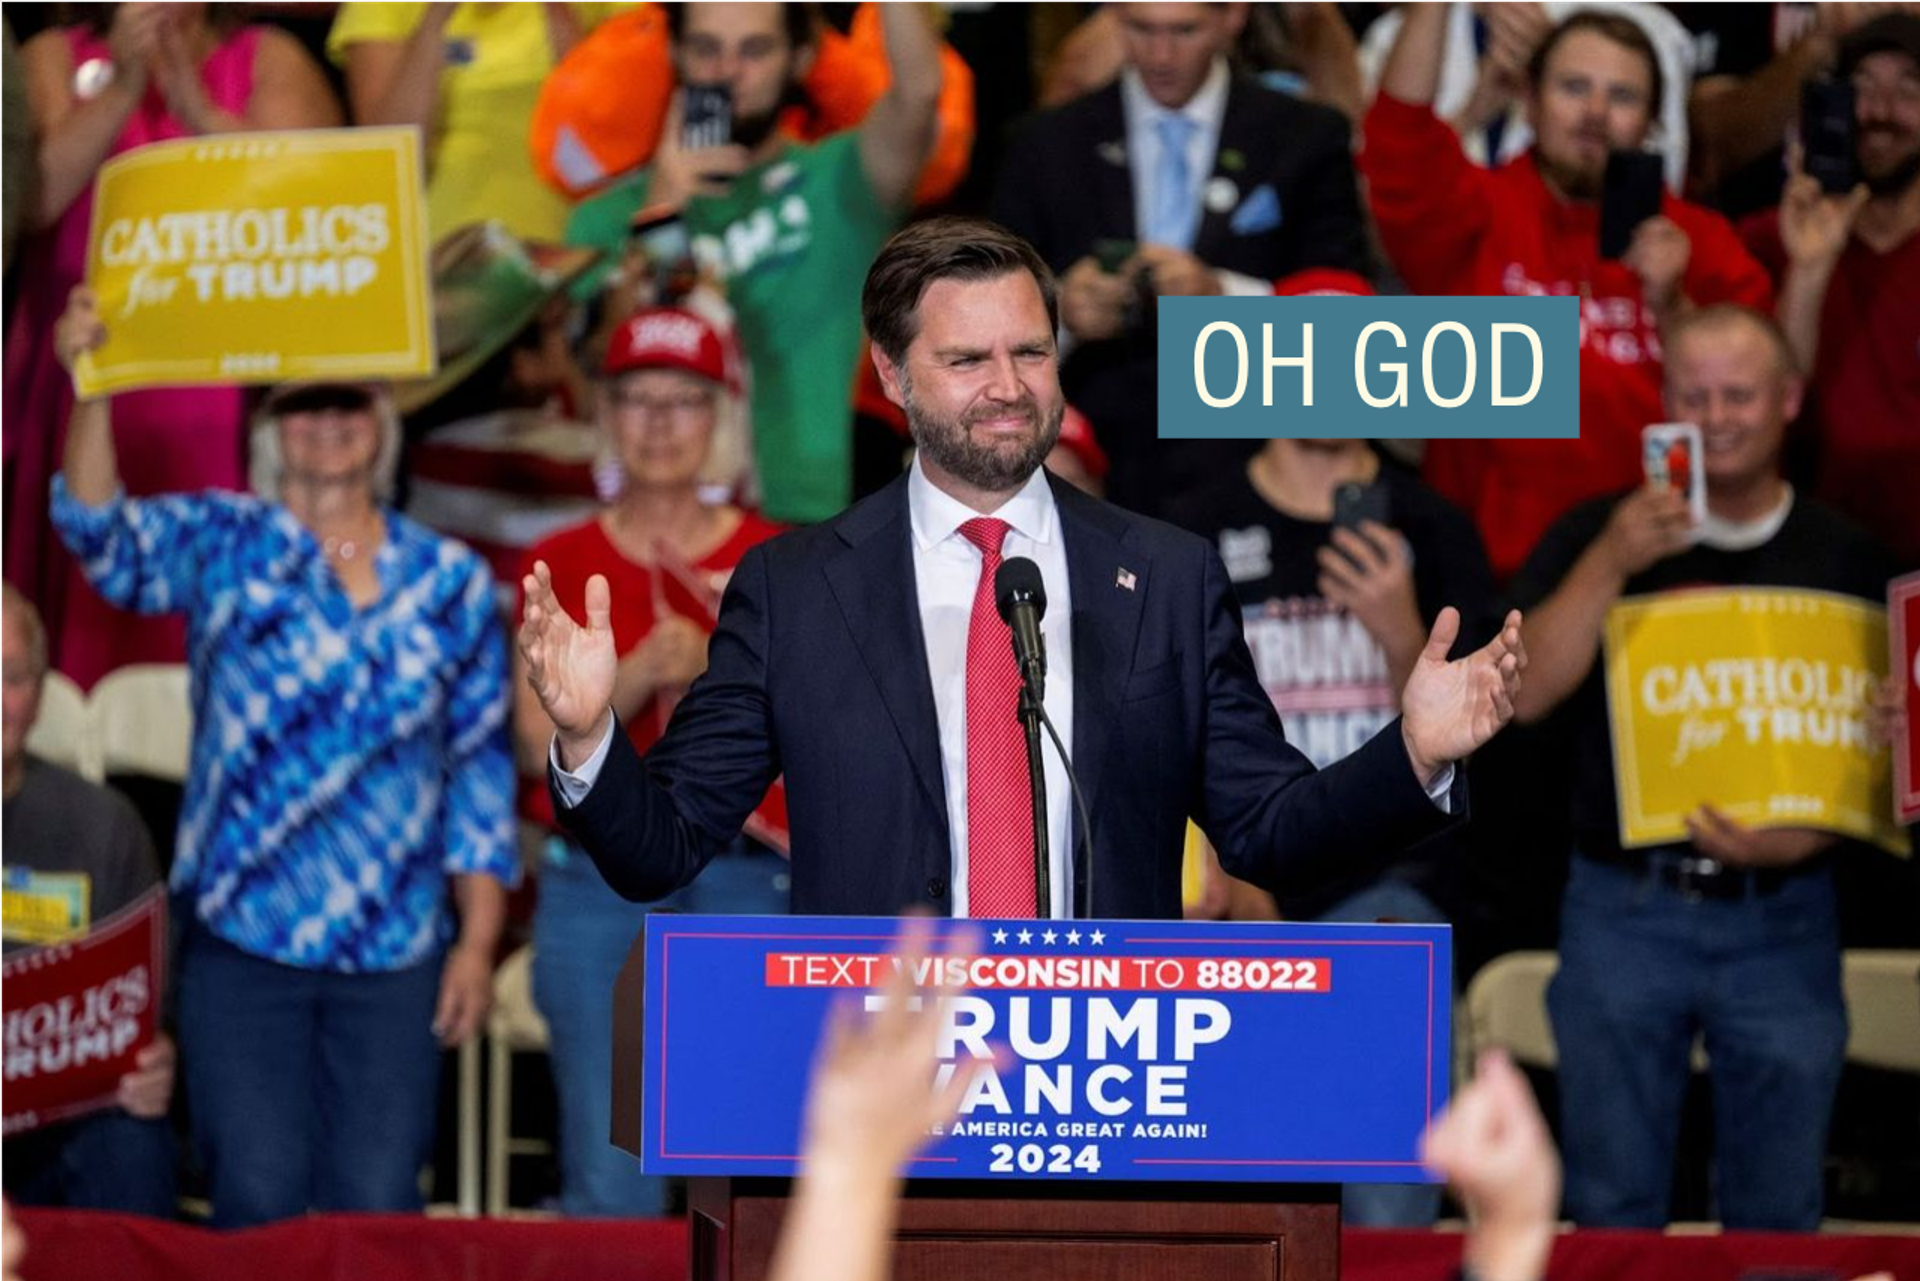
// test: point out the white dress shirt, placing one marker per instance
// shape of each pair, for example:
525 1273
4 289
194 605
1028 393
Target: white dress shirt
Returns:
946 570
1206 109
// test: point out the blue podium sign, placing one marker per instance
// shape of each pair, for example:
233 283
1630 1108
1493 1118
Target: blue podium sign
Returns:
1157 1050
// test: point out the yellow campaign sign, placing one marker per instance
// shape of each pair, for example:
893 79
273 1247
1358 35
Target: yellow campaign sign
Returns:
1753 701
261 257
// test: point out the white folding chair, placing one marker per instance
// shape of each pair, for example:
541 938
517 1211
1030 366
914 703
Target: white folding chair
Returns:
144 722
1507 1007
1883 1007
514 1027
64 734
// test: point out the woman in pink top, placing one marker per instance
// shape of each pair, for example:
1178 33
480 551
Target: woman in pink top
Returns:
143 73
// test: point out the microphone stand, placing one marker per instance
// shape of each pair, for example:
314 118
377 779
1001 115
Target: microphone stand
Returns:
1032 691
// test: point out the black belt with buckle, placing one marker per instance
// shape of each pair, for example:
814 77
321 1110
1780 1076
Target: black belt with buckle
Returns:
1697 876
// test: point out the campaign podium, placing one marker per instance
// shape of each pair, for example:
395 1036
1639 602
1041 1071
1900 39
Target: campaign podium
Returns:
1185 1099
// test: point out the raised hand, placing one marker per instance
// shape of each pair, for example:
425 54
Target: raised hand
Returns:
1492 1146
1369 573
874 1096
1647 526
79 329
570 667
1658 254
680 173
1814 226
1449 709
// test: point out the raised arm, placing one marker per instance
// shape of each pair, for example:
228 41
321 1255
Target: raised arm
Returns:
1564 630
90 467
652 825
76 136
397 82
1412 73
897 134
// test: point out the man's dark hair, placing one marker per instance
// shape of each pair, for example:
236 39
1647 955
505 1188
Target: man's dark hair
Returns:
942 249
801 21
1623 31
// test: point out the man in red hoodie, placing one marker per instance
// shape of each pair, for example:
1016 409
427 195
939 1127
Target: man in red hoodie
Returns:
1532 228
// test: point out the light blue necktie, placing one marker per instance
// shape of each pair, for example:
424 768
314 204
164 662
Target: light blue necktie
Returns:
1176 214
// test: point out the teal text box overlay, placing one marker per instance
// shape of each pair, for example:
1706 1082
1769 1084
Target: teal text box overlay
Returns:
1440 341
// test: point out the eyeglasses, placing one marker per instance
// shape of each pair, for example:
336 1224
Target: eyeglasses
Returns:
679 410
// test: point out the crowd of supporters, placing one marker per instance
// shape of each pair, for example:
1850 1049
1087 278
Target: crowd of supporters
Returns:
651 359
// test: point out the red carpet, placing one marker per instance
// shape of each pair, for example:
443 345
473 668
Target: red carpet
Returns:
66 1246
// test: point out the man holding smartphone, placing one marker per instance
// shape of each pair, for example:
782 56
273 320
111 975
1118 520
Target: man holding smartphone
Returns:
1849 271
1532 227
788 228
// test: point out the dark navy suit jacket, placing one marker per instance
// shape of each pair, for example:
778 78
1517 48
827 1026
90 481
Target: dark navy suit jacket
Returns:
818 670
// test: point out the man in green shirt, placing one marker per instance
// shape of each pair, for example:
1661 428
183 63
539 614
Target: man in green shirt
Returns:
790 228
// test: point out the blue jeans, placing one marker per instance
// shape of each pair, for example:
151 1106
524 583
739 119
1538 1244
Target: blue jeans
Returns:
306 1089
106 1161
1643 968
1388 1205
581 933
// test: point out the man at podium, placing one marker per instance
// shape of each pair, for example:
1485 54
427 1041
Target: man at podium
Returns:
864 658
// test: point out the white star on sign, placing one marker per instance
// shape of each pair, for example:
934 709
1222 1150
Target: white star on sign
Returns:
999 936
1049 938
1097 937
1073 936
1026 936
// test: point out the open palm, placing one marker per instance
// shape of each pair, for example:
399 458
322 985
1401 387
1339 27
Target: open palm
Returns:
570 667
1451 708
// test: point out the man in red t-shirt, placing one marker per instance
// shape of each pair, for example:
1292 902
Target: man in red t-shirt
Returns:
1849 272
1532 228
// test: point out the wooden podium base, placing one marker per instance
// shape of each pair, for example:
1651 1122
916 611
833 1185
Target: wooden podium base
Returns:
1051 1232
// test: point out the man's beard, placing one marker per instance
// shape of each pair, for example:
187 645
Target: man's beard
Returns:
949 444
751 131
1896 178
1571 181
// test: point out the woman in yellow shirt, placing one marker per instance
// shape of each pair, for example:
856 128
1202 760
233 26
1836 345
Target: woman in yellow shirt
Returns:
468 75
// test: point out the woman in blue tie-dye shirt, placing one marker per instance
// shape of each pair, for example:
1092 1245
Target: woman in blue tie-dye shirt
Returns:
350 765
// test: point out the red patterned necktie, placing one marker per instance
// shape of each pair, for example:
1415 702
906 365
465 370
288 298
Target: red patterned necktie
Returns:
999 793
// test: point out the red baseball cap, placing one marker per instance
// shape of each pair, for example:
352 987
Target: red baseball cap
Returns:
671 338
1323 281
1076 434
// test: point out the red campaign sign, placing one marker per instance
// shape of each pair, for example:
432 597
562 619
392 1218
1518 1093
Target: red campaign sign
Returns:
78 1012
1903 613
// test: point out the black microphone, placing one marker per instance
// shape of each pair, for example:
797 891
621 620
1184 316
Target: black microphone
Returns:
1021 595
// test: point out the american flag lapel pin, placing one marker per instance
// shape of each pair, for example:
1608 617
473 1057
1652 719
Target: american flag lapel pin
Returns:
1125 579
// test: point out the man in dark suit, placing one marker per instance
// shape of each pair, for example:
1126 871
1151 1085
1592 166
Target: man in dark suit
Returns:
1180 179
864 659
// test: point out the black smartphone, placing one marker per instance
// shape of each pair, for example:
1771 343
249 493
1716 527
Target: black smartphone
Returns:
1629 195
1354 502
1112 254
706 116
1827 135
664 247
